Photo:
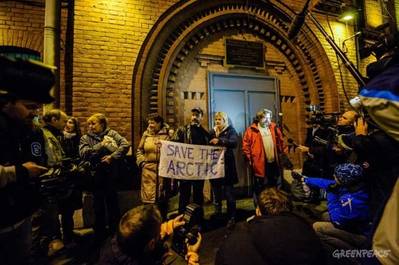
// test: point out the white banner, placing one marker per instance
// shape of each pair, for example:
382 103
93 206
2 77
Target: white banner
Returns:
189 161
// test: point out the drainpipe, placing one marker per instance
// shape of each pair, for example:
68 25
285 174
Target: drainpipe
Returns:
51 44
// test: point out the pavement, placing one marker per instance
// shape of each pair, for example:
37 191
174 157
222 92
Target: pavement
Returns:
83 251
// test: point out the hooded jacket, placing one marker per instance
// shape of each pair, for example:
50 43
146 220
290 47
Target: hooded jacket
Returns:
147 157
348 207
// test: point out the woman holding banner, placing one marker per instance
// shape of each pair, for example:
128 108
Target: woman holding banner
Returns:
225 135
154 189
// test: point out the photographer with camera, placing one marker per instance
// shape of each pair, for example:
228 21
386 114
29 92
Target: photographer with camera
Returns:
347 205
22 84
321 140
275 236
140 239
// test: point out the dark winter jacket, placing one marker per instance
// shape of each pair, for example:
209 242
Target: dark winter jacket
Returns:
228 138
191 134
70 144
271 240
111 254
18 199
348 209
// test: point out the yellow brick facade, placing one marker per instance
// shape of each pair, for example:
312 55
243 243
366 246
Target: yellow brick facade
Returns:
108 35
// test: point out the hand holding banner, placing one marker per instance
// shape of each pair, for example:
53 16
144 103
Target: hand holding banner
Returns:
191 162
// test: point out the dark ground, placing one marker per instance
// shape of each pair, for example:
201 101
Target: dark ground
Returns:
213 231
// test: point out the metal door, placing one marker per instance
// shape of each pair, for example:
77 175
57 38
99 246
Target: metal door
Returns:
241 96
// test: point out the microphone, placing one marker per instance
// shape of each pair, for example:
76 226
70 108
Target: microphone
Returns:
298 22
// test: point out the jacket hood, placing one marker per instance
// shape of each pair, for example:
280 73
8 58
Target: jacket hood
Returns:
164 130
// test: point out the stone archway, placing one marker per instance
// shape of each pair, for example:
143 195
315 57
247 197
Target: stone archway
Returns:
188 23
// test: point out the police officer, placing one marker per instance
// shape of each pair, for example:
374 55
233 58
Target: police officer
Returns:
22 85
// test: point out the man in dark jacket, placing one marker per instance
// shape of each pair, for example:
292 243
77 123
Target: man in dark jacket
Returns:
22 85
275 236
192 133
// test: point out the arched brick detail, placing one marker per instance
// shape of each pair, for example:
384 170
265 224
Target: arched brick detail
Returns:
24 39
186 24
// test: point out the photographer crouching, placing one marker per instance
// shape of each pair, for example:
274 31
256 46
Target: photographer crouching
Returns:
140 239
22 84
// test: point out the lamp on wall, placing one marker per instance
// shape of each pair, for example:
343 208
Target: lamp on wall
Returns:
348 14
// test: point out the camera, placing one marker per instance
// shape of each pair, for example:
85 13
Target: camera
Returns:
317 116
296 175
189 231
59 181
327 123
379 41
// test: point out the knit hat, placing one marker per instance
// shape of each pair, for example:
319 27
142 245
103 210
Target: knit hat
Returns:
348 173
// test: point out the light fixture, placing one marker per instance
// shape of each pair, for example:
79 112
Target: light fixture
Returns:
346 17
348 14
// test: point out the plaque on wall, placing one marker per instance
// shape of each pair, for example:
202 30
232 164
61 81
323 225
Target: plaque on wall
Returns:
244 53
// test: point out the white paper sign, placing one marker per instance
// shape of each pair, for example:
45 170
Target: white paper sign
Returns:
191 162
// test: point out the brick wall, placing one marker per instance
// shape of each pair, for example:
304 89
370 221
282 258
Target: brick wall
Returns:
22 26
108 37
194 79
397 14
373 13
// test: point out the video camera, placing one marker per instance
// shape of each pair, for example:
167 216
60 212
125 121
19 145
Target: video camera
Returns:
380 41
59 181
317 116
327 122
189 231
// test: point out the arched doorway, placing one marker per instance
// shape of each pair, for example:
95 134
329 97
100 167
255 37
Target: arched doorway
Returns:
185 44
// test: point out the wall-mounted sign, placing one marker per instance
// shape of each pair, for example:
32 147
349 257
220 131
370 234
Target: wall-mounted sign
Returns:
244 53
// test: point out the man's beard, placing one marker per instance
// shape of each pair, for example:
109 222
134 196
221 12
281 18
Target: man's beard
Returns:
195 122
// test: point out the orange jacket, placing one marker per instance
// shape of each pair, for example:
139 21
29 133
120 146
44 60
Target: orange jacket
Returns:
252 146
